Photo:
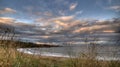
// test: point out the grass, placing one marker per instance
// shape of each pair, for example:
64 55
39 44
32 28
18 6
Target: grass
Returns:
9 57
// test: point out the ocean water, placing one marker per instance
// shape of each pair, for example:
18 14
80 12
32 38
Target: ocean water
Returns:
104 46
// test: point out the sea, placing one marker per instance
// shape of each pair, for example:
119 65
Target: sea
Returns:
104 46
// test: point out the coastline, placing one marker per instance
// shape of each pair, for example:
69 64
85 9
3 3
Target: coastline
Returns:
19 44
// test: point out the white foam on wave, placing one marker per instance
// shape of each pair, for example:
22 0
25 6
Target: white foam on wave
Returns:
107 58
28 51
53 54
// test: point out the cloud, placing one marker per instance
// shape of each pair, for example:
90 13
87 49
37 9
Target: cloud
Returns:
99 25
66 22
62 21
73 6
90 28
61 12
6 24
55 24
64 18
13 22
78 12
7 10
33 12
116 8
51 20
58 23
47 14
61 25
7 20
40 20
69 23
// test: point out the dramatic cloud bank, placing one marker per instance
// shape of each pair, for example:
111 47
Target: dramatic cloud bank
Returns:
51 20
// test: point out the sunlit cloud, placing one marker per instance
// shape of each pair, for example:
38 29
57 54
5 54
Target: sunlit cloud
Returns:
56 23
103 26
60 23
61 19
64 18
73 6
90 28
109 31
7 20
69 22
7 10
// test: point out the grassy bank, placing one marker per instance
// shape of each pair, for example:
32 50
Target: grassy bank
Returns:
9 57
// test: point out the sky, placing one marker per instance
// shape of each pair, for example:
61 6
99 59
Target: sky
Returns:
36 16
30 10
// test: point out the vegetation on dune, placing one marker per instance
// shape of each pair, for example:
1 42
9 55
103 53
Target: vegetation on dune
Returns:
9 57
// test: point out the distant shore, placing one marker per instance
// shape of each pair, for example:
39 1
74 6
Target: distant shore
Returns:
19 44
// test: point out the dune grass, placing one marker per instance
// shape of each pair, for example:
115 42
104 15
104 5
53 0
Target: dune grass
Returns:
9 57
